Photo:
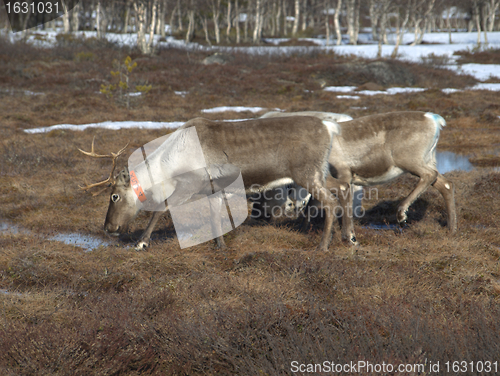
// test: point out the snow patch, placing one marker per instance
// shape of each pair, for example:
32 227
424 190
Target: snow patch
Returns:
112 125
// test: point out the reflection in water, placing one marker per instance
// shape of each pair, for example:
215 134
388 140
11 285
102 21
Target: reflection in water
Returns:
448 161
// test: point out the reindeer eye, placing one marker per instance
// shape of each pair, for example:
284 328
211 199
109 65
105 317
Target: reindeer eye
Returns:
115 197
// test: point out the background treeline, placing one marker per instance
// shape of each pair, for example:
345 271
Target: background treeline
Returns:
249 21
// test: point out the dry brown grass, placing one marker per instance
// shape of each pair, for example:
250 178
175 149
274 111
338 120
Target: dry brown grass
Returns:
400 297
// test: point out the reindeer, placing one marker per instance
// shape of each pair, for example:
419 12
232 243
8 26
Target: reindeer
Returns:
267 152
377 149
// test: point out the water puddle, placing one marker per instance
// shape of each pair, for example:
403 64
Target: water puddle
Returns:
87 242
375 226
9 228
448 161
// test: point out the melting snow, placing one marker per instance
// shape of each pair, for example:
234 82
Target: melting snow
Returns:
113 125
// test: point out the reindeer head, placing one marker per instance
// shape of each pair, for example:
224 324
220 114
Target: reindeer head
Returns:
122 208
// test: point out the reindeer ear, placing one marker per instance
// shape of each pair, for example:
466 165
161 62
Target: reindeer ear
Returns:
123 178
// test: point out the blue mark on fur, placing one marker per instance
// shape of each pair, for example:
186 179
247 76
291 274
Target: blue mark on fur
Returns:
438 119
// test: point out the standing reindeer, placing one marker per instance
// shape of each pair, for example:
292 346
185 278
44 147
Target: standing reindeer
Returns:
376 149
267 152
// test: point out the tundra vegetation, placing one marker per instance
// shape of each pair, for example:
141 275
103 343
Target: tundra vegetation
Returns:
407 296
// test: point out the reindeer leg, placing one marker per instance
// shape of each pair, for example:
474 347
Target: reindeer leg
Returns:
427 177
447 190
215 223
319 192
345 196
146 235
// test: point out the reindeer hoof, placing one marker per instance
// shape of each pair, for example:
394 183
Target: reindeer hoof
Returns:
141 246
401 217
350 240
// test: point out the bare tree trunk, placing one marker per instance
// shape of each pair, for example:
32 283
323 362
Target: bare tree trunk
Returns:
285 16
381 34
245 25
419 33
327 22
215 17
127 17
172 20
273 19
337 23
478 23
374 17
312 23
352 8
485 21
140 19
494 4
297 18
401 32
305 15
205 30
278 18
75 17
229 24
190 29
91 20
160 24
98 20
237 21
448 24
356 21
256 36
66 24
179 14
150 45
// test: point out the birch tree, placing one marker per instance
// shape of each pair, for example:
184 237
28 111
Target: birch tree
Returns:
297 18
237 21
66 24
353 7
327 21
421 13
400 29
258 21
228 18
141 14
477 18
215 17
375 13
336 22
493 7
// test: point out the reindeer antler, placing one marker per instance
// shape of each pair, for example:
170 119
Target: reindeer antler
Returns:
110 179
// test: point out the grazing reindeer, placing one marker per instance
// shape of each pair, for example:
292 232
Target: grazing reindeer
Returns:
267 152
376 149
